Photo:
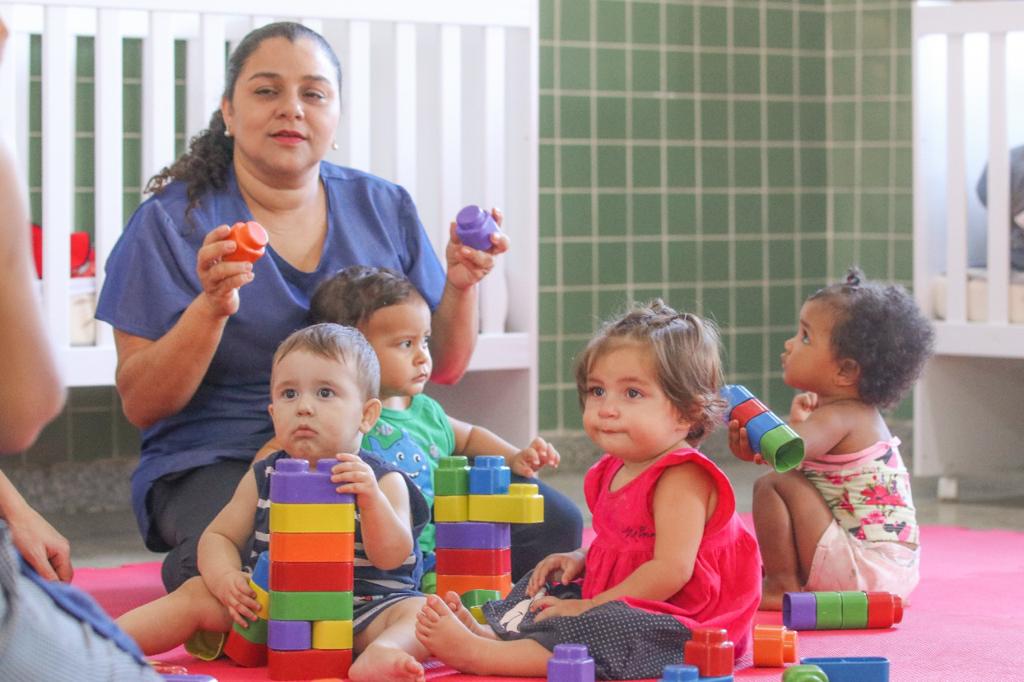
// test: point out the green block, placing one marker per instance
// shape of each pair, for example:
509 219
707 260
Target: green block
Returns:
804 673
829 611
855 610
783 448
451 477
255 633
479 597
310 605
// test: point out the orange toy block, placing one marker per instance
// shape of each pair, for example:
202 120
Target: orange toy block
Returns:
711 651
774 646
311 576
460 584
310 664
315 547
474 561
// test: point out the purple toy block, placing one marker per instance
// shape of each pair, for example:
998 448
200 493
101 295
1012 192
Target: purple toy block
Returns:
293 482
489 476
261 571
472 535
290 635
474 226
680 673
570 663
799 610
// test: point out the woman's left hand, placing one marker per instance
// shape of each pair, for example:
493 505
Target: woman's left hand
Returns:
552 607
467 266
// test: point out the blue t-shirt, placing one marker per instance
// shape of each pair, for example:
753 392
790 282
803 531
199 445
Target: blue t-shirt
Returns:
151 279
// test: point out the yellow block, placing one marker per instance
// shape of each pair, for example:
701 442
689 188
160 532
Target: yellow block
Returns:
451 508
523 504
332 634
478 614
312 518
263 597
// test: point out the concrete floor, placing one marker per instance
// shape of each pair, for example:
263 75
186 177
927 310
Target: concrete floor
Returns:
112 538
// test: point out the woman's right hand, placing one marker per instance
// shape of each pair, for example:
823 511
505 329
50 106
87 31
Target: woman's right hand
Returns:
221 279
233 591
563 567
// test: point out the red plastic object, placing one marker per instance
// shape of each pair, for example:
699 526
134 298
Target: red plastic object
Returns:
243 652
251 239
747 410
310 576
474 561
711 651
884 609
311 664
774 646
83 258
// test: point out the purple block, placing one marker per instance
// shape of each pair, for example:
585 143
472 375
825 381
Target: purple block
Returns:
489 476
290 635
472 535
799 610
292 482
570 663
474 226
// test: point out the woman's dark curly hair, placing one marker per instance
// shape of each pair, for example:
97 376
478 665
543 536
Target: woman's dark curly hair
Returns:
352 295
205 165
880 327
687 355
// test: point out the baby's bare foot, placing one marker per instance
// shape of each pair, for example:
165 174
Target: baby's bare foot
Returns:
447 638
386 664
466 617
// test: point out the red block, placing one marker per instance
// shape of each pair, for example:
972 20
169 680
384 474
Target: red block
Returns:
747 410
884 609
243 652
711 651
309 576
311 664
474 561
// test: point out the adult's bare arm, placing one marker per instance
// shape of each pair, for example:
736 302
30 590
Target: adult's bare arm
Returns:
31 389
157 378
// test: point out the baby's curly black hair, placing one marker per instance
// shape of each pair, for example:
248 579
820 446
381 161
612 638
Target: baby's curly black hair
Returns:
880 327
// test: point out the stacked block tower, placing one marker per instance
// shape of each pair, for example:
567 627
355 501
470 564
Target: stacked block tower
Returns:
473 507
308 588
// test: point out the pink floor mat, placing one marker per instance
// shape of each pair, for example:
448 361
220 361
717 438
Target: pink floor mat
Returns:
964 622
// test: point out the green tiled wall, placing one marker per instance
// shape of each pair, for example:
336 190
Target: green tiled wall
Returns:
729 156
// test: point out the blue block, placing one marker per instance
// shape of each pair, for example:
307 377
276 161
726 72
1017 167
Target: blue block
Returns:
489 476
261 571
760 425
680 673
852 668
734 394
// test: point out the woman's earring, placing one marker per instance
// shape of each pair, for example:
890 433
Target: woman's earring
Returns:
334 145
227 132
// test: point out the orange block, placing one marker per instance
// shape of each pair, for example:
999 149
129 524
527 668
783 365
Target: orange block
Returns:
317 547
460 584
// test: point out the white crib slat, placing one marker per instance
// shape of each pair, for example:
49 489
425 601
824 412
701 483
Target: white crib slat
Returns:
998 185
356 102
494 116
956 184
58 168
205 73
450 157
158 96
406 104
109 160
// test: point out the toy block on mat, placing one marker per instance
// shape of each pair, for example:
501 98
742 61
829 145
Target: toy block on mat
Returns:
316 547
311 606
711 651
292 481
774 646
804 673
570 663
840 610
312 518
472 535
460 584
680 673
853 668
332 634
489 476
244 652
451 476
474 561
311 576
309 665
451 508
289 635
523 504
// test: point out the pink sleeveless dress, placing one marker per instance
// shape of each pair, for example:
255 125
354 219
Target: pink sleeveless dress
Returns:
725 588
